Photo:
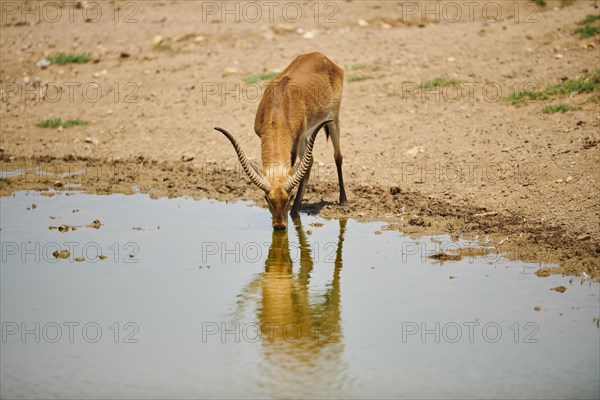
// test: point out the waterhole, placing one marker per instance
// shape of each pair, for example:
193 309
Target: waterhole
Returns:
127 297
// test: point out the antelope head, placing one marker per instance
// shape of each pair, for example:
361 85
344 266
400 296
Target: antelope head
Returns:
277 184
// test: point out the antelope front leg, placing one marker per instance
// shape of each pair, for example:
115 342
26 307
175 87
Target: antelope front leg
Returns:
295 212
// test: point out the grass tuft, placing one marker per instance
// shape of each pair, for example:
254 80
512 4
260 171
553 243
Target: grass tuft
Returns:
586 84
54 123
63 58
359 78
588 29
265 76
5 180
440 81
554 108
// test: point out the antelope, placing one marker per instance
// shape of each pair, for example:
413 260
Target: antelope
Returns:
302 99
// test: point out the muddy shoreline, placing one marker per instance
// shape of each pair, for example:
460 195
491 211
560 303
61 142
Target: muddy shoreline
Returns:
406 211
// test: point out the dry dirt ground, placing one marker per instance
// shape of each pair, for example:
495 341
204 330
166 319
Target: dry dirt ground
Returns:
462 160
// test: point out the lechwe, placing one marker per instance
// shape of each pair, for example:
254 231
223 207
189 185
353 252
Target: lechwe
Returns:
301 100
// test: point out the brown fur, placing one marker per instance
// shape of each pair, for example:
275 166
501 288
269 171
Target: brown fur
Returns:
306 93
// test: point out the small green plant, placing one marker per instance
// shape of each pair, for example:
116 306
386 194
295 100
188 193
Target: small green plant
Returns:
163 46
63 58
179 68
565 3
594 99
5 180
54 123
360 67
519 97
265 76
440 81
541 3
359 78
554 108
588 30
586 84
589 19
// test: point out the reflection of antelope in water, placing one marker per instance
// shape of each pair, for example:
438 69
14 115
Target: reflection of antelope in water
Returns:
301 332
287 311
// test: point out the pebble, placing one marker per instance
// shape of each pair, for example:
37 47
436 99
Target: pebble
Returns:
414 151
385 25
451 59
281 29
559 180
199 39
362 22
230 71
156 40
43 63
558 56
309 35
187 157
569 179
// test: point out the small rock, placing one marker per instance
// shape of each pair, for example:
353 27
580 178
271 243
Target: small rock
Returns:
91 139
584 236
61 254
414 151
58 184
282 29
63 228
362 22
95 224
569 179
451 277
385 25
394 190
417 220
187 157
26 80
450 59
79 259
559 180
230 71
558 56
309 35
559 289
190 86
543 272
124 55
33 206
537 308
199 39
156 40
43 63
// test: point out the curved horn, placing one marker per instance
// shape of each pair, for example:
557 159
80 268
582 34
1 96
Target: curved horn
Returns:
299 173
258 180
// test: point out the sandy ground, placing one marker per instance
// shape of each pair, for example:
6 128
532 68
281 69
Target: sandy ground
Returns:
463 161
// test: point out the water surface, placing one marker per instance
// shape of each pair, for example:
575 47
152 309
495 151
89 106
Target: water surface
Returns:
202 299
